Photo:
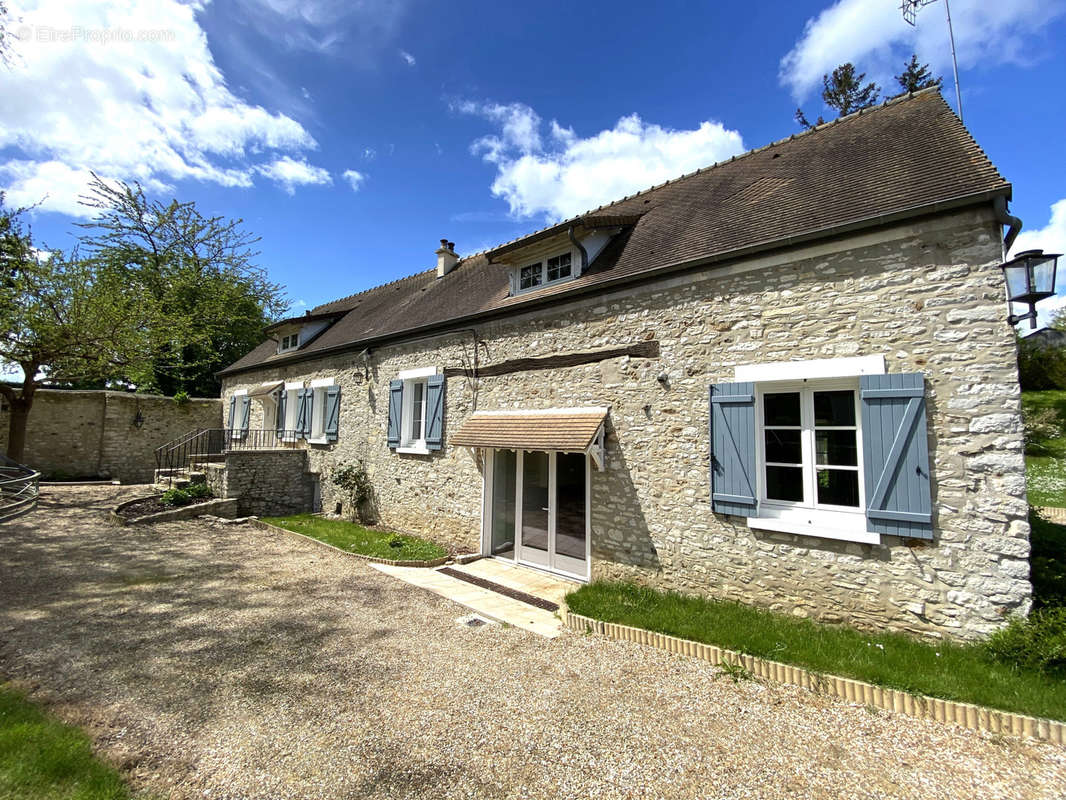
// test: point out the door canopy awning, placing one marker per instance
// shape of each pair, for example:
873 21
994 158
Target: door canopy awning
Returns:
568 430
264 389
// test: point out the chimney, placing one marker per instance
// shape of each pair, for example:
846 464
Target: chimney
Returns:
446 258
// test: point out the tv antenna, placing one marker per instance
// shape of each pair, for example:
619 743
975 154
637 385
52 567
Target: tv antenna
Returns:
910 9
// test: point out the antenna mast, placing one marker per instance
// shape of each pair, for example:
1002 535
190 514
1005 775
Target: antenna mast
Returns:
910 10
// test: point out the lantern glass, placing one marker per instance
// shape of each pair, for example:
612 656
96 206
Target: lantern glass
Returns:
1042 270
1017 276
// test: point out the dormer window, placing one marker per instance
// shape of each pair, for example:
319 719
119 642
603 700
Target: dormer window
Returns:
551 270
289 342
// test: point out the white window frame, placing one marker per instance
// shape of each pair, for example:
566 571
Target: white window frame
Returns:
318 410
411 377
284 344
810 518
235 431
542 263
291 388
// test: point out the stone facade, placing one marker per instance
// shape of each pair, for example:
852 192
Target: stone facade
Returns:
265 482
90 434
927 296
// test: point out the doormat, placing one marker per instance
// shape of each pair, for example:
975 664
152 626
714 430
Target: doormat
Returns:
506 591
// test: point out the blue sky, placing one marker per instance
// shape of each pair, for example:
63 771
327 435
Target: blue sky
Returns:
352 136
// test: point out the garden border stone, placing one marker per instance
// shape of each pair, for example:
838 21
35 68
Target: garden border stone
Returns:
435 562
965 715
219 507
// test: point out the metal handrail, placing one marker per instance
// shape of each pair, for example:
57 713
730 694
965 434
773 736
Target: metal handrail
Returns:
19 488
174 458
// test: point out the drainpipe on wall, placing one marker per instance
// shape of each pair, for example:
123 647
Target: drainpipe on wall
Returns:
581 247
999 204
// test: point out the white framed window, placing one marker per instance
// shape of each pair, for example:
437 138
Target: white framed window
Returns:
413 413
318 409
544 272
292 401
289 342
809 469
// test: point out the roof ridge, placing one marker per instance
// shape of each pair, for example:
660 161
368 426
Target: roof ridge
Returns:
896 100
372 289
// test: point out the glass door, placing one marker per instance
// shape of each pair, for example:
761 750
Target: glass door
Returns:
534 475
570 532
502 511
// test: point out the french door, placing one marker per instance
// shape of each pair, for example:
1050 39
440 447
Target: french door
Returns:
537 510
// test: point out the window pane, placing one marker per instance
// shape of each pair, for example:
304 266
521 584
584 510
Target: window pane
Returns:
530 276
784 483
782 408
835 448
834 408
559 267
838 487
416 411
783 446
504 475
570 505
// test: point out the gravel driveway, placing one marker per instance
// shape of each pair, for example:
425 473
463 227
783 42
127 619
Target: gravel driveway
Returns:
228 662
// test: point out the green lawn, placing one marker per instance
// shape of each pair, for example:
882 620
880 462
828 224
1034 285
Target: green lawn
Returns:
1045 461
357 539
950 671
43 759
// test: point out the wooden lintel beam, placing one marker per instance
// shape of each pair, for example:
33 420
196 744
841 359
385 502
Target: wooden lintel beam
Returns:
646 349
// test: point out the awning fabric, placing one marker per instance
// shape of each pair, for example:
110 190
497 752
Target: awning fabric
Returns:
572 430
265 389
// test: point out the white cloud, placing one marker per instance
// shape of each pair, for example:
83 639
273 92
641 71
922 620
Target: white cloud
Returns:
872 35
358 30
410 59
131 91
1051 239
290 173
566 174
354 178
369 153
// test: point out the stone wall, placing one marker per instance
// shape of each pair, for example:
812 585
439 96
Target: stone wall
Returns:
90 434
927 296
265 482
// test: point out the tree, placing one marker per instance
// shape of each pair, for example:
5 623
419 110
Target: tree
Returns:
212 299
62 319
917 76
844 91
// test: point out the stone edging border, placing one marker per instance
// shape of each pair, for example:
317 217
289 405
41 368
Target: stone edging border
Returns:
436 562
1051 514
964 715
218 505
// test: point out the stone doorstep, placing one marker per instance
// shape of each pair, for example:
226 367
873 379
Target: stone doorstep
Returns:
965 715
436 562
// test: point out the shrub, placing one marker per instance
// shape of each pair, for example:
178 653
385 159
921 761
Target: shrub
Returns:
181 399
1041 424
1037 643
198 491
176 497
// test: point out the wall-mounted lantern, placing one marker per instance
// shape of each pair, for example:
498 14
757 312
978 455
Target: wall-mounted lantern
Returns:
138 419
1030 277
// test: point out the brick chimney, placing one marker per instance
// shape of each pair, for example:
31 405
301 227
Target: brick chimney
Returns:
446 258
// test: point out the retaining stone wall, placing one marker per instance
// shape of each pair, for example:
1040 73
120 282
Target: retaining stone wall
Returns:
265 482
81 434
927 296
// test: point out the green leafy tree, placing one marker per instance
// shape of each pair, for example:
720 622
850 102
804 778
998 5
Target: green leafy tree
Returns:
62 319
917 76
845 91
213 300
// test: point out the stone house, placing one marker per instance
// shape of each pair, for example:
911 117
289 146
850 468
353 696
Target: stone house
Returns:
785 380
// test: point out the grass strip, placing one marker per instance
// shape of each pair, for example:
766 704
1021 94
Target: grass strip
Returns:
356 539
1045 460
963 673
44 759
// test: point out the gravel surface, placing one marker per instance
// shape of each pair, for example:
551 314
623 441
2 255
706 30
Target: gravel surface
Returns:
224 661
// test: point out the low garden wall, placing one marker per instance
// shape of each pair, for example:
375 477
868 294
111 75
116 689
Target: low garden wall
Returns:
267 483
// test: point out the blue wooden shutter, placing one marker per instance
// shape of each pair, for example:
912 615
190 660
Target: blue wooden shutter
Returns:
395 411
895 454
309 408
246 413
283 397
332 412
232 412
733 432
301 411
435 412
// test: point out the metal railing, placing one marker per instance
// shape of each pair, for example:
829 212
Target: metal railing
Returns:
174 459
19 488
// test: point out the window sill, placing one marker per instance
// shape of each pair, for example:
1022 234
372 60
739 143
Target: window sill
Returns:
319 440
413 449
857 534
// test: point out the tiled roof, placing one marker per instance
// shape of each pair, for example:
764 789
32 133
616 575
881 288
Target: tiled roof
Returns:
909 156
569 430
